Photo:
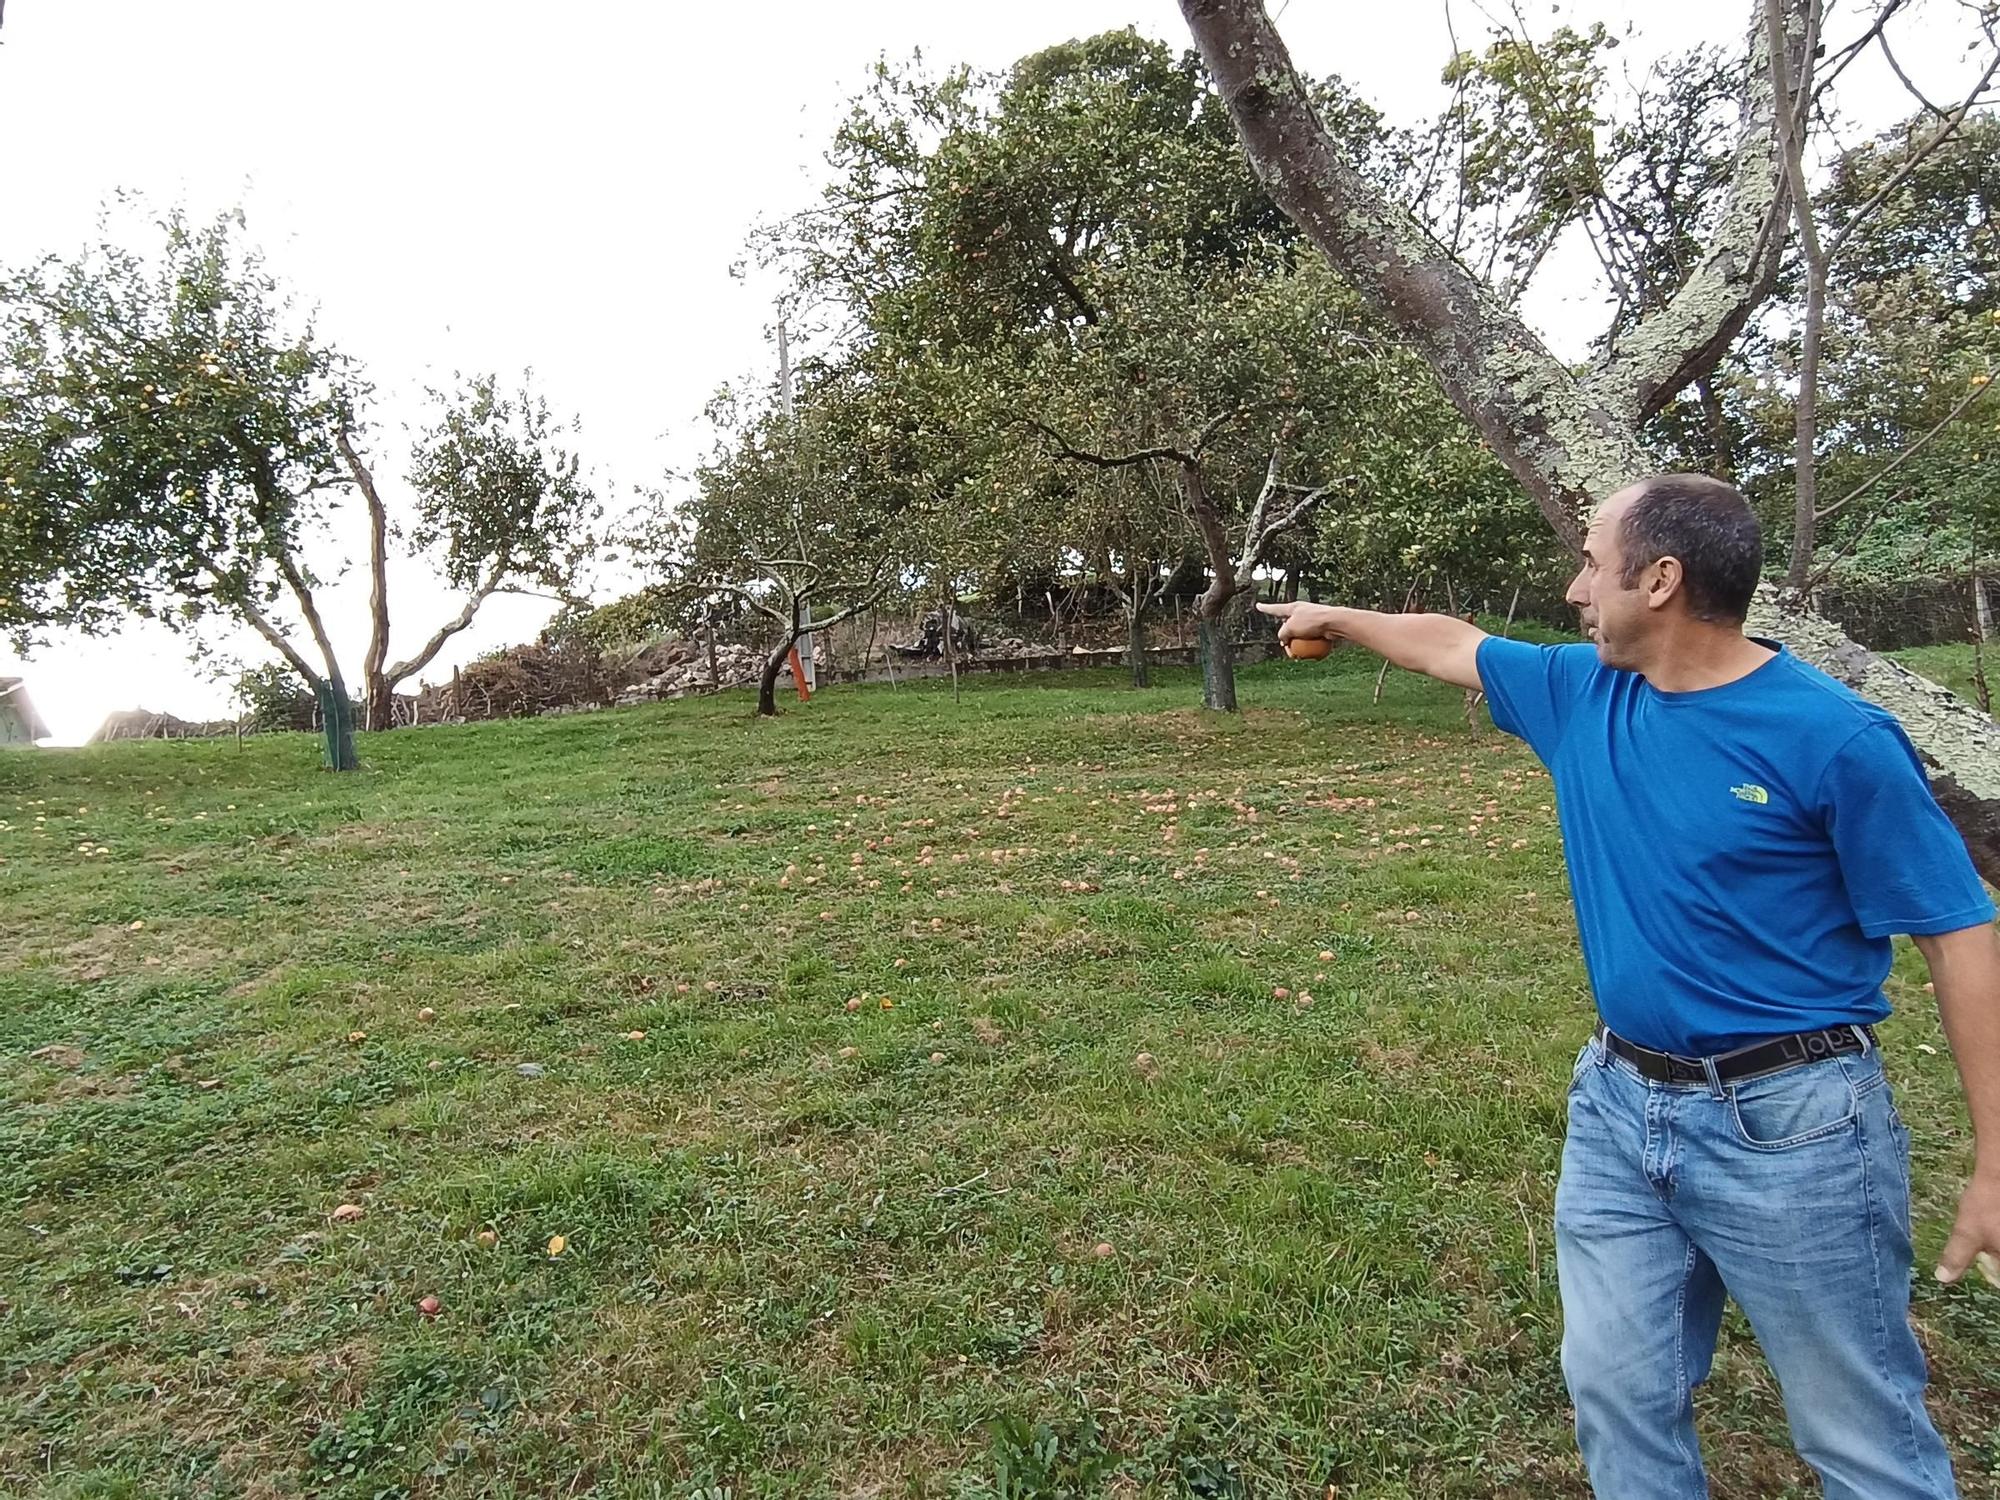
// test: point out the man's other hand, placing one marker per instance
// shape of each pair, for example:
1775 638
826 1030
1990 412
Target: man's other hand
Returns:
1976 1235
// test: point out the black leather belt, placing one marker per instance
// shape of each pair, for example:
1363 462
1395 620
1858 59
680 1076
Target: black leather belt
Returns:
1753 1061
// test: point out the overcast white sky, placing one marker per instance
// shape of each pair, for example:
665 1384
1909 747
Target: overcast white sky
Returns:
499 185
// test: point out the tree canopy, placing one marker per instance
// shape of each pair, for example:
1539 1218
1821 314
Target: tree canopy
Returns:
177 442
1096 345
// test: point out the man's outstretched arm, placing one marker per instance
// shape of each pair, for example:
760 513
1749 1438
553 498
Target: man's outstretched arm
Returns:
1436 645
1965 971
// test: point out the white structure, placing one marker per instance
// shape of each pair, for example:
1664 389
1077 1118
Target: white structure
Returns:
20 725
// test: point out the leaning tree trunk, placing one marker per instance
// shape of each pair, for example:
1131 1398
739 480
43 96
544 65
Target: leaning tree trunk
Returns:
1573 440
767 683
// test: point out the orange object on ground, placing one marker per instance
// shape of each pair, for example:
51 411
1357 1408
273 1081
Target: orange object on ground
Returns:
799 674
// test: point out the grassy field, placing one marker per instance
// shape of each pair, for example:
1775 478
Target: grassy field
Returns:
1955 666
1058 1093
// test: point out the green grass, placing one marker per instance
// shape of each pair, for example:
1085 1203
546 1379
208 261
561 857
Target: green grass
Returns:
814 1251
1951 665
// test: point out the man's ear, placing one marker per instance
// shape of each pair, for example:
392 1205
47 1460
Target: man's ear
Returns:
1663 582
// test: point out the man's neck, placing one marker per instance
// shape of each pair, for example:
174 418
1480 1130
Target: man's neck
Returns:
1703 656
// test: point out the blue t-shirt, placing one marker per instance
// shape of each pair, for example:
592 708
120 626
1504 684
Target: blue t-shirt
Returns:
1739 855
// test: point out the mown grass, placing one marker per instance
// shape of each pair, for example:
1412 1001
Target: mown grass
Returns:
814 1250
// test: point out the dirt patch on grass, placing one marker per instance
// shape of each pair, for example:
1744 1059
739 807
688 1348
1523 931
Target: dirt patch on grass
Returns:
1197 723
60 1073
1399 1061
172 947
900 1470
370 836
75 1088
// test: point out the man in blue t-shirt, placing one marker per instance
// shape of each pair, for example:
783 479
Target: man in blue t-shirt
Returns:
1744 835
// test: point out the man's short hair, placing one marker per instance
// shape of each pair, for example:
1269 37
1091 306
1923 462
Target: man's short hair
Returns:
1710 528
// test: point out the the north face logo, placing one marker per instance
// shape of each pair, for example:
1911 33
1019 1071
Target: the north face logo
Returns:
1751 792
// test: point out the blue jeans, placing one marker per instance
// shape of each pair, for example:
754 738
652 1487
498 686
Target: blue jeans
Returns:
1789 1193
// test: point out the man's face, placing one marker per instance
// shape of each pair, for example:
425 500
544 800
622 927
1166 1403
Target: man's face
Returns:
1614 617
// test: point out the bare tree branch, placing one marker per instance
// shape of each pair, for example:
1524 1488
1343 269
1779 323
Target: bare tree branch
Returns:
445 632
1054 266
309 607
1685 337
1838 63
1258 541
1907 454
1215 424
1916 157
1806 415
1825 571
736 591
1305 506
1214 538
1069 450
875 586
1915 93
231 591
1255 524
572 601
1807 511
270 509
